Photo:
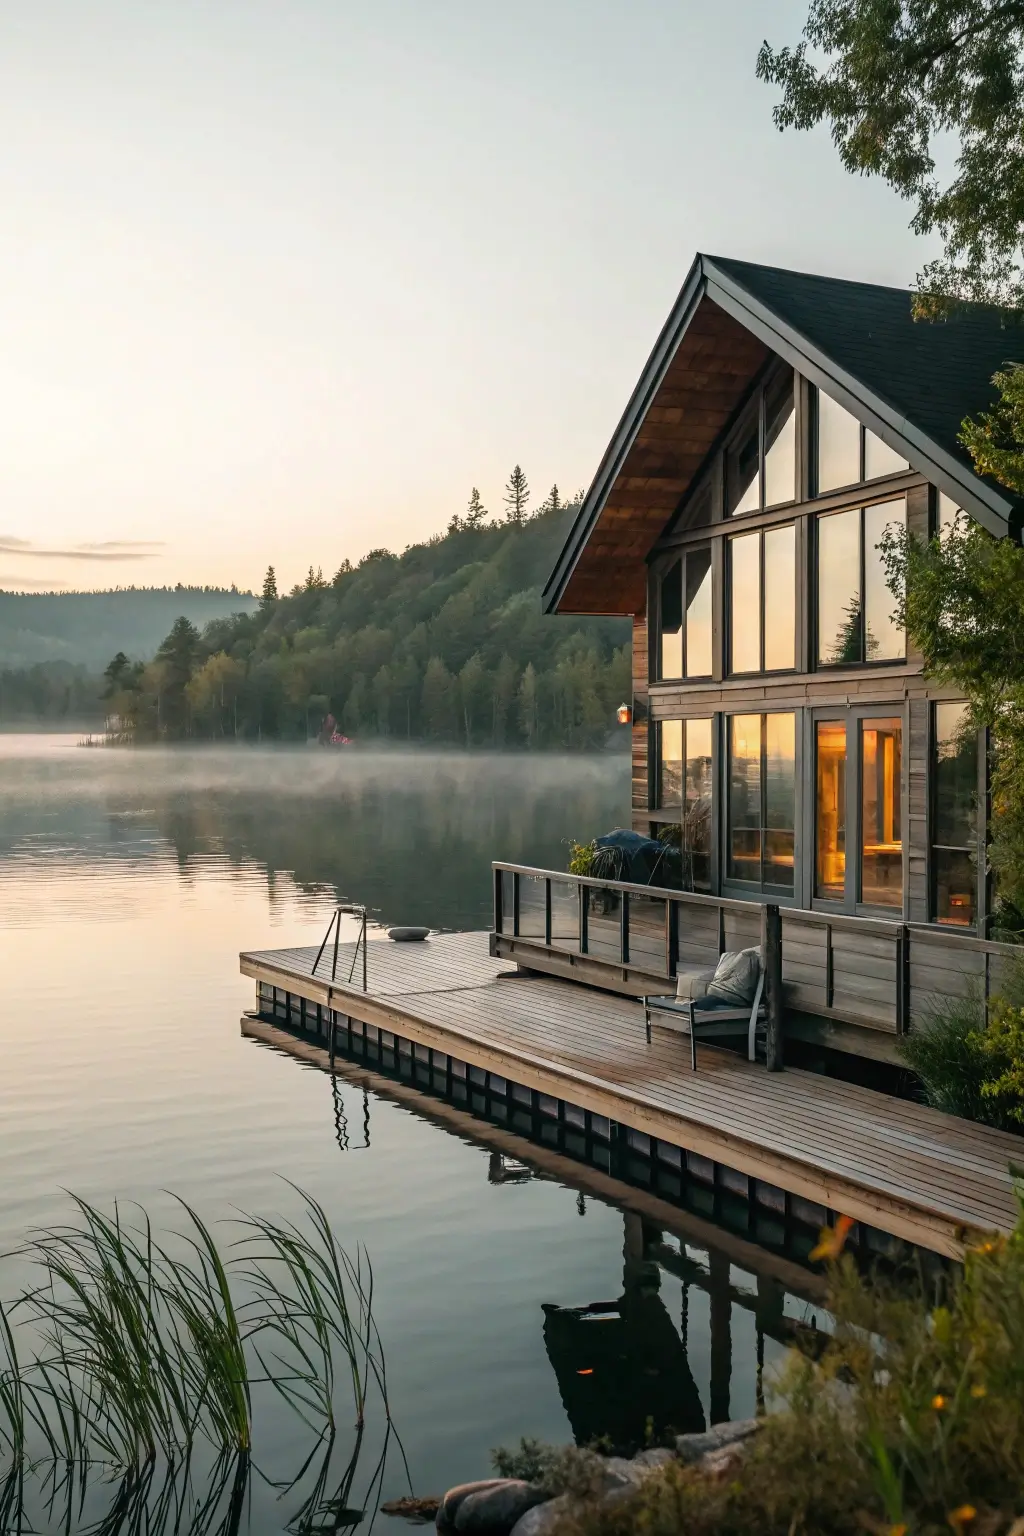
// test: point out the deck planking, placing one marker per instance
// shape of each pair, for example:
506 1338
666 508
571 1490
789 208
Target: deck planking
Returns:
928 1177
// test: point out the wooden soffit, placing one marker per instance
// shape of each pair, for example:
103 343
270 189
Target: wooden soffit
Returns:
700 380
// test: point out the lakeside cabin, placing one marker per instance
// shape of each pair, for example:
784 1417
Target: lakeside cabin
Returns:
825 803
781 724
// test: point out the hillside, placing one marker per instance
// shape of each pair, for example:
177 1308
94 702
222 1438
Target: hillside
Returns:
445 642
86 628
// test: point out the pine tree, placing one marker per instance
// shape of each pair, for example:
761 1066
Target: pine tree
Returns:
554 502
475 511
517 494
528 705
269 588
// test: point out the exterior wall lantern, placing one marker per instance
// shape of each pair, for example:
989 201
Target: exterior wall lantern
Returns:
624 714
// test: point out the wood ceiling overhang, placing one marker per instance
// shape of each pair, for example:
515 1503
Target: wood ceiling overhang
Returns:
697 376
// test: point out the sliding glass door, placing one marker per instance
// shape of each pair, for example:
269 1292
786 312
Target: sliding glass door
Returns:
858 811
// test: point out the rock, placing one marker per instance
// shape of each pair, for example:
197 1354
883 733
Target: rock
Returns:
539 1520
719 1462
627 1472
494 1511
418 1510
454 1497
691 1448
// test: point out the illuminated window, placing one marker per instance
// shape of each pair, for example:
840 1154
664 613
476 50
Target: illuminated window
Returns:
855 606
846 451
762 800
684 629
760 468
954 823
830 810
685 784
881 847
762 600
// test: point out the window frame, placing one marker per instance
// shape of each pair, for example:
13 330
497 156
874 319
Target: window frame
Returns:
853 717
980 847
757 403
861 508
659 572
729 884
674 815
814 390
760 534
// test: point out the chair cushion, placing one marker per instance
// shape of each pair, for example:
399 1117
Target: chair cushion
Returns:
692 983
735 980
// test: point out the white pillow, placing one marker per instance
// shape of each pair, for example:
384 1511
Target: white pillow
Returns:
691 984
736 977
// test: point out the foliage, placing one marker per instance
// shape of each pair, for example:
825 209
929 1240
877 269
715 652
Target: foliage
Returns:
55 691
912 1422
269 593
517 494
896 79
995 440
1001 1046
581 858
144 1348
444 643
961 601
944 1051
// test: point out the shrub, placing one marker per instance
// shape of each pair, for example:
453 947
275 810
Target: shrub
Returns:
581 858
970 1065
911 1424
1001 1047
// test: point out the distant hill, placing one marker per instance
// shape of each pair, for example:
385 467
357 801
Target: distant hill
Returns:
87 628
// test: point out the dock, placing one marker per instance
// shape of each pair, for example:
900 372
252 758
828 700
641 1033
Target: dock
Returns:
555 1046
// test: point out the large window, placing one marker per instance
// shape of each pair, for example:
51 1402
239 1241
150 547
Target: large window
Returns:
685 616
762 600
760 466
762 800
881 831
830 810
847 452
685 784
855 606
954 818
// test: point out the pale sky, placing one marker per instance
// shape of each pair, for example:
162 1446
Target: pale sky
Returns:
281 280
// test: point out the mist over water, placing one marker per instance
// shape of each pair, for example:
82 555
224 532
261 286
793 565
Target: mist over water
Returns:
129 881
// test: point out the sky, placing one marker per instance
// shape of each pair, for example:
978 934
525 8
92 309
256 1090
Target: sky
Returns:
282 280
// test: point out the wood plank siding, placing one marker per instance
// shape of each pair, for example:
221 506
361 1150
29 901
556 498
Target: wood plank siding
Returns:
641 724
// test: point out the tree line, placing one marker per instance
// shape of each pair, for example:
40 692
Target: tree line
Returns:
444 643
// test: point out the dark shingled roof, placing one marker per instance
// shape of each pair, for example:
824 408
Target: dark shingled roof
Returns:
933 373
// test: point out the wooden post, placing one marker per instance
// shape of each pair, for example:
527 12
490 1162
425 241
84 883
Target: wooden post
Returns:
771 945
497 899
547 912
515 904
624 927
903 979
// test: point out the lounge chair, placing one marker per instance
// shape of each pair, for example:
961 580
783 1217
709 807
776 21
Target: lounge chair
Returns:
711 1018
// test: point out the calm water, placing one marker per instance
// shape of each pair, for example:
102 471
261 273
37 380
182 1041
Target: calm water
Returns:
129 881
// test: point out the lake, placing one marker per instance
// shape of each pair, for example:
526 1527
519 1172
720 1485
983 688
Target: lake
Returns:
129 881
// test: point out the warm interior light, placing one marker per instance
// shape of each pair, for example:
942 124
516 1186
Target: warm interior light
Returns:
624 714
588 1372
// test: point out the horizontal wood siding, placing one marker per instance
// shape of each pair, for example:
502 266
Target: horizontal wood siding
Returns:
917 813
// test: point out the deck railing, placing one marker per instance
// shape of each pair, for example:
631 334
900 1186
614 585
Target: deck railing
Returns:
870 972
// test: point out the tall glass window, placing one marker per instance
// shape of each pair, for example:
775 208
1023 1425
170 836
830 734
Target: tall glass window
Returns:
762 800
760 469
670 657
684 646
745 603
855 606
881 848
698 612
762 600
954 824
685 785
830 810
697 787
846 451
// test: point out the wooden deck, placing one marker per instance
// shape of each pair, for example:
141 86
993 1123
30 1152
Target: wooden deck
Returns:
918 1174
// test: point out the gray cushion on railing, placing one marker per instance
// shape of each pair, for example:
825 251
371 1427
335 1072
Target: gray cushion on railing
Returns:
692 983
735 979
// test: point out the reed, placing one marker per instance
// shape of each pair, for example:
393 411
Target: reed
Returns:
139 1348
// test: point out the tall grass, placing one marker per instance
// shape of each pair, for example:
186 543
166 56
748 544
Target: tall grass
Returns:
127 1349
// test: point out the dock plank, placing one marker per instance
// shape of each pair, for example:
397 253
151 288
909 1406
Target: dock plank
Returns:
929 1177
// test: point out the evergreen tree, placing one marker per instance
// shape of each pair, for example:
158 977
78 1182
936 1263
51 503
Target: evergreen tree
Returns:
439 701
529 712
517 494
554 502
475 511
473 691
269 593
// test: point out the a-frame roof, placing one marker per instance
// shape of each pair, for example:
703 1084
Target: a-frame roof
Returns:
912 382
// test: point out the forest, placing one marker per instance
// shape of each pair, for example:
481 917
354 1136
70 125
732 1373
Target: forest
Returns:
444 643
